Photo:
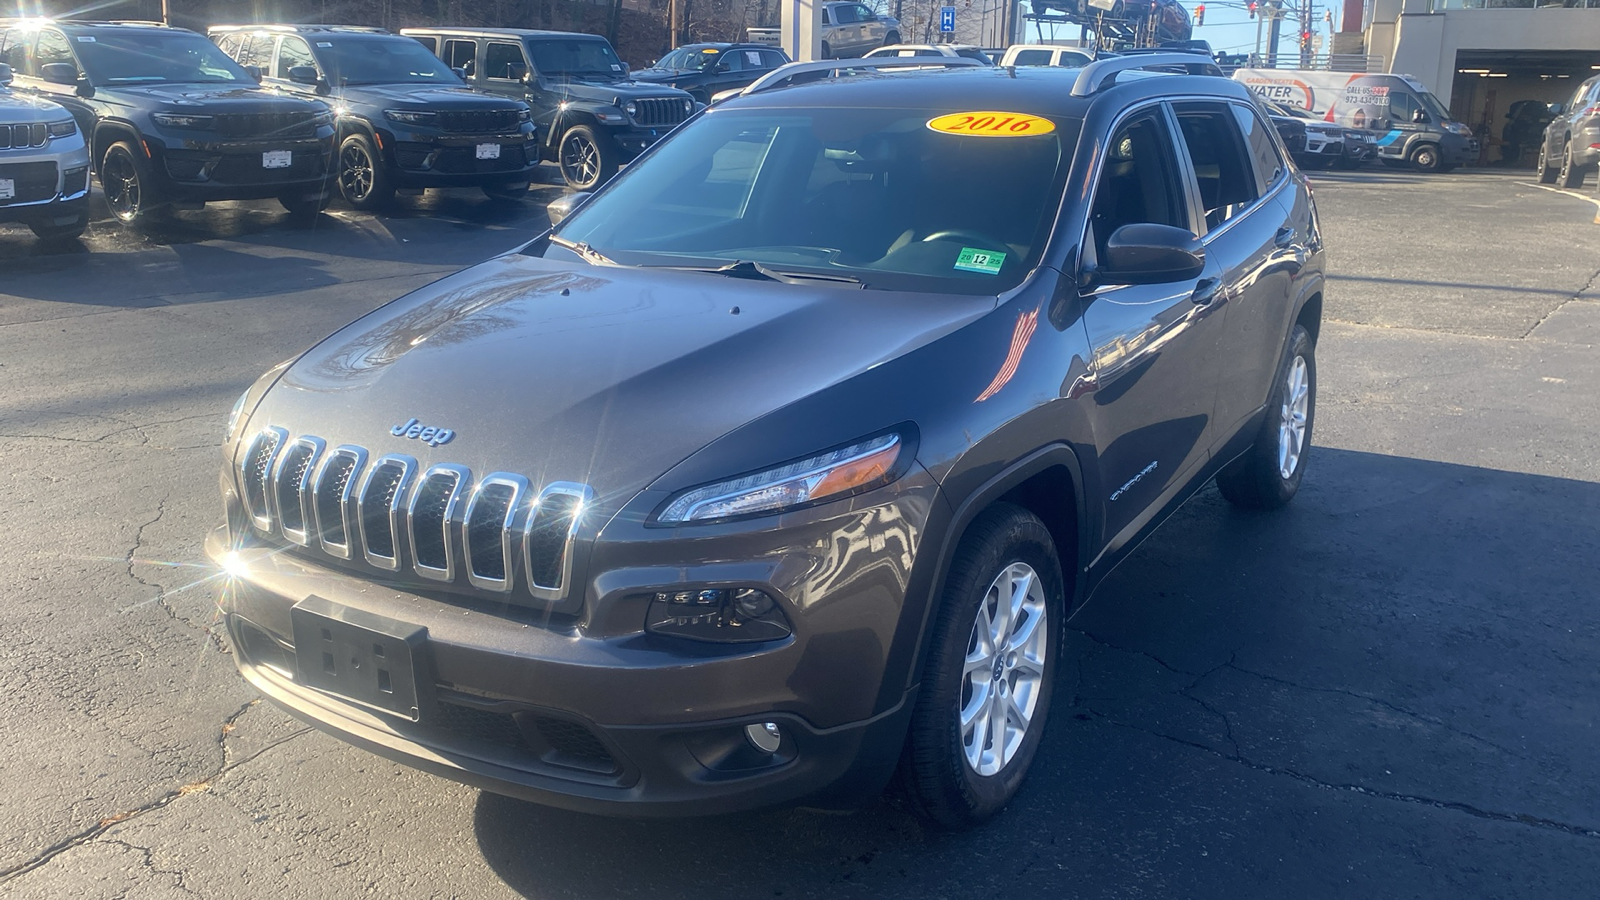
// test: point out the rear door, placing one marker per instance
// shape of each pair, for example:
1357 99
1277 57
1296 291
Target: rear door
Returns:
1154 347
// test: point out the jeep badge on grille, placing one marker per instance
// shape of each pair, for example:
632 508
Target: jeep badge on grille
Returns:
431 435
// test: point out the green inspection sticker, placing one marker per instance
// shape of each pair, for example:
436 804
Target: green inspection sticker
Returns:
984 262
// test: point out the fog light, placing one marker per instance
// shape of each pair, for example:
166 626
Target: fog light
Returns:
764 736
725 615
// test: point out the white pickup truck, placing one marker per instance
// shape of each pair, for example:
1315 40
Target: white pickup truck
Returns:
849 30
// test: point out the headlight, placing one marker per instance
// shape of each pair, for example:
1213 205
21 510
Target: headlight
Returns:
524 115
233 418
181 120
322 118
410 116
837 473
67 128
688 106
1458 128
631 108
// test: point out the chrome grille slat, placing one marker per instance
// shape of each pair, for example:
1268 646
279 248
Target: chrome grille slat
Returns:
254 467
291 482
430 515
335 484
547 538
379 507
486 534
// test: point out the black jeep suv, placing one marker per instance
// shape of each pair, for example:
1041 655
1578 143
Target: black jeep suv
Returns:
783 460
170 119
706 69
591 117
405 120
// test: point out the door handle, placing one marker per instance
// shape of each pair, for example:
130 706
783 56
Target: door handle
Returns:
1284 237
1206 291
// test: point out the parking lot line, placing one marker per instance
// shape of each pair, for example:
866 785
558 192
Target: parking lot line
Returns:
1545 187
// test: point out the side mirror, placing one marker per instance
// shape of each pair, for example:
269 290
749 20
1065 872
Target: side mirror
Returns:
83 88
5 75
460 72
254 72
59 73
1418 116
1557 109
303 75
562 207
1146 253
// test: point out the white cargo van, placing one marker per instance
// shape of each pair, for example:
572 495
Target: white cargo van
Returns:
1408 124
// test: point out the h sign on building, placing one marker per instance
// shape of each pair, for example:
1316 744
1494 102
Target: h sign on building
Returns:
947 18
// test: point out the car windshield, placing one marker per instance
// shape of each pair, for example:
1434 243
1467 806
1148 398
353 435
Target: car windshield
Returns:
576 58
859 194
1433 106
382 60
138 56
688 58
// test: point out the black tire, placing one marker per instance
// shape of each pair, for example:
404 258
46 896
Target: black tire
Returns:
892 37
1570 176
506 193
827 53
1547 172
128 185
586 160
1425 158
301 207
45 231
363 181
935 775
1255 480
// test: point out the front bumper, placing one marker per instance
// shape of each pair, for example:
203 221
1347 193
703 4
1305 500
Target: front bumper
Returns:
49 185
633 140
419 159
585 710
203 169
1457 150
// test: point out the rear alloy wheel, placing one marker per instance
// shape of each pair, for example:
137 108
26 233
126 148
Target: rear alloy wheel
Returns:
1571 175
986 690
891 38
1547 172
125 180
586 162
1268 475
1426 158
363 182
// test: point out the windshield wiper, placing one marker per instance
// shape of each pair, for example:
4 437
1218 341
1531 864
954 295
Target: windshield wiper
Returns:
589 254
745 268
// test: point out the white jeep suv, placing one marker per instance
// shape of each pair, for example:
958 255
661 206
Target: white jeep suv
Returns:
44 165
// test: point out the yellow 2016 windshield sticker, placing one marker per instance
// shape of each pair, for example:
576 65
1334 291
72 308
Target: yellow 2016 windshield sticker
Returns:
992 124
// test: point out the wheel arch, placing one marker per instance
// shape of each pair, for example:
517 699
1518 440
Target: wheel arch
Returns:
1309 315
108 132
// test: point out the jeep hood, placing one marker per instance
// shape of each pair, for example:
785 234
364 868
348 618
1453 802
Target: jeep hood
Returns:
213 97
608 92
608 376
425 96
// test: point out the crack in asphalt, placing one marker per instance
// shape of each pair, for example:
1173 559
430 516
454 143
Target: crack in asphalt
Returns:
1587 286
1454 805
105 439
98 829
161 591
148 862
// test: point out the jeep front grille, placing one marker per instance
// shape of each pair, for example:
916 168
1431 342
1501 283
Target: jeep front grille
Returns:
480 121
20 137
660 112
242 126
490 533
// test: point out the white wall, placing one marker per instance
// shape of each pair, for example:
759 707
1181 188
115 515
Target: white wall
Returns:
1424 44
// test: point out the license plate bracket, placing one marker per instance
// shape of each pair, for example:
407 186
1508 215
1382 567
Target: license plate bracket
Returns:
488 151
375 661
8 188
277 159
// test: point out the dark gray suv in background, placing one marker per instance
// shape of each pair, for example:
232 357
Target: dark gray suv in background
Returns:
781 462
1571 146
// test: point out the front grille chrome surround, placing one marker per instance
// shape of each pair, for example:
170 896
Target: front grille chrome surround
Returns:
381 509
336 481
255 467
555 515
492 515
430 517
291 488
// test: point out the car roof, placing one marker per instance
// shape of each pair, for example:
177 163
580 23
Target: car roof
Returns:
503 32
725 45
365 30
84 24
1037 90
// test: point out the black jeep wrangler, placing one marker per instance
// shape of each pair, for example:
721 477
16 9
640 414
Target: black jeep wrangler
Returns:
405 120
170 119
592 117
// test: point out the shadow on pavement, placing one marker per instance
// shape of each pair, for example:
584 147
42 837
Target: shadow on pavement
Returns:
1386 688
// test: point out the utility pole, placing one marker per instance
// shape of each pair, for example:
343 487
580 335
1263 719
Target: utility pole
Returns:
675 6
166 14
1274 8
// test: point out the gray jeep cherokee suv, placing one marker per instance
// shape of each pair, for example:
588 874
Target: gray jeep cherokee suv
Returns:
782 461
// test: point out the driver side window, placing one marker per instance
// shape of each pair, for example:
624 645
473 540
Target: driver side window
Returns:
293 52
1138 180
1401 108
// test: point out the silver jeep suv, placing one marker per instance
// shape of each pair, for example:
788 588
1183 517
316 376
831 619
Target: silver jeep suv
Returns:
44 165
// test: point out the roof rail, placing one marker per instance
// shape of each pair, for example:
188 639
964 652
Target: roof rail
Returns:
1095 74
782 74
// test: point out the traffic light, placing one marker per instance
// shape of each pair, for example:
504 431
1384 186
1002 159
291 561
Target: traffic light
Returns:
1305 39
1199 15
1252 8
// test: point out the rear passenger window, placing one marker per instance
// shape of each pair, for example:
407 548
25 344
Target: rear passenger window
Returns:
52 48
431 43
14 50
1138 180
293 52
1221 168
1031 58
1263 152
461 55
505 62
229 44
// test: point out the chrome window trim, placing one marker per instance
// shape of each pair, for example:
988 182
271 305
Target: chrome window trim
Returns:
261 519
351 528
302 535
396 510
585 495
520 488
463 477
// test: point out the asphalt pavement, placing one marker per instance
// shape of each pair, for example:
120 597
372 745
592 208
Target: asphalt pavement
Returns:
1389 689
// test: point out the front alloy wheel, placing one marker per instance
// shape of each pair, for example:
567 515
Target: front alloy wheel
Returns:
1547 172
125 179
1003 668
585 161
362 180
